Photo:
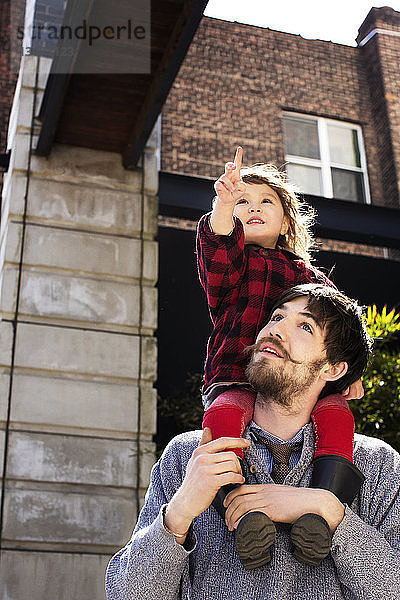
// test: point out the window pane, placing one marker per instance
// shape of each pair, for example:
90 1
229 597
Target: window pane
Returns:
308 179
347 185
343 146
301 137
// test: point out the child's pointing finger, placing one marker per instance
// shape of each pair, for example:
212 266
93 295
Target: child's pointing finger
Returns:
238 159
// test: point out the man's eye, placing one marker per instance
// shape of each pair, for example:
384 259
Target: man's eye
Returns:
276 317
307 327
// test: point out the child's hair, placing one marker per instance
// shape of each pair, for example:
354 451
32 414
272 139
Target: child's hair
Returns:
299 238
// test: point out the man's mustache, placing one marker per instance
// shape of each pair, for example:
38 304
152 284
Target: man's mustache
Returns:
251 350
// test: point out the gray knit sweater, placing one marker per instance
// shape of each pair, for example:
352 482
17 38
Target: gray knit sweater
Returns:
365 556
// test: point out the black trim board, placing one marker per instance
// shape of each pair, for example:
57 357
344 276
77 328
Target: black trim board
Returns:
135 146
190 197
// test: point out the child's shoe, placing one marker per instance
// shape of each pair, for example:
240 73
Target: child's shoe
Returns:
311 538
333 470
254 535
310 534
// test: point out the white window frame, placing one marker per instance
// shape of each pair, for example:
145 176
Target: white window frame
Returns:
324 163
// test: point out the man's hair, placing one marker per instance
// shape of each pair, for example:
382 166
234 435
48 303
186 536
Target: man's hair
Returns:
346 336
300 215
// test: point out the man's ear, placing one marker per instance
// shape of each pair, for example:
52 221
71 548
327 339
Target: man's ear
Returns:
334 372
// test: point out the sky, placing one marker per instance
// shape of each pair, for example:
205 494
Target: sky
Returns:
337 20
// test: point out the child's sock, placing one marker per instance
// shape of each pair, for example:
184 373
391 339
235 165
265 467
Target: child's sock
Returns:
230 413
334 427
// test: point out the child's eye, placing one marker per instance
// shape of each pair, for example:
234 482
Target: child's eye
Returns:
267 201
307 327
241 201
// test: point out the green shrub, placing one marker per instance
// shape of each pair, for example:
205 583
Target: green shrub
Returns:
179 411
378 413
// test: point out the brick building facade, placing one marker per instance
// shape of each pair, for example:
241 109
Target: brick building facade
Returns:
237 80
379 38
78 248
78 302
236 86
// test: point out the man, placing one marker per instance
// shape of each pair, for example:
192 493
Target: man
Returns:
179 548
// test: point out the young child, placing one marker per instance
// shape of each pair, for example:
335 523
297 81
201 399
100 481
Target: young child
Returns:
253 246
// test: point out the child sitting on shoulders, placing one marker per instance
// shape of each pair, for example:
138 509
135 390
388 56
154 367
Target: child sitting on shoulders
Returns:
254 245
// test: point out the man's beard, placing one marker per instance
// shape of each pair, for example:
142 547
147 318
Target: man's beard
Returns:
273 383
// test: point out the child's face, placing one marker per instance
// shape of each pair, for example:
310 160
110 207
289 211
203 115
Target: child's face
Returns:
260 210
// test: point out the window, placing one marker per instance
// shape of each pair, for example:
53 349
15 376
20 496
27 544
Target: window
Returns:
325 157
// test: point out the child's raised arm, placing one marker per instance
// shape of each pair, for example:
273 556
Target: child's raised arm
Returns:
229 188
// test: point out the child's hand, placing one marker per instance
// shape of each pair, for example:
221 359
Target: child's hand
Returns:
229 187
355 391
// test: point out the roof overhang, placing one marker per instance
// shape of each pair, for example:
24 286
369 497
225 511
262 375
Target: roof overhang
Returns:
115 111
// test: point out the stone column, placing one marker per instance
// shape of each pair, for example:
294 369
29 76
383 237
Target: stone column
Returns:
77 356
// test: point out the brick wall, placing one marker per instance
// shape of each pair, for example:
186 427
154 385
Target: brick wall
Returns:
237 79
381 56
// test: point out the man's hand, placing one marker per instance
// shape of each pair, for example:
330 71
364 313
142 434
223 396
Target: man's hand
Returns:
282 503
211 466
229 187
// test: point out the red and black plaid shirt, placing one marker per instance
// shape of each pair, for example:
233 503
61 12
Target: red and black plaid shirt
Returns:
242 282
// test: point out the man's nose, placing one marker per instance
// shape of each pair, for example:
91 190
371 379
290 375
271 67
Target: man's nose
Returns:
277 330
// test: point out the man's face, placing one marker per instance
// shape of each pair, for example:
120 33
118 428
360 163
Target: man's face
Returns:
289 353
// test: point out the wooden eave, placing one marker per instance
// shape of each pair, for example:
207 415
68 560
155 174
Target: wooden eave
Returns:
117 112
